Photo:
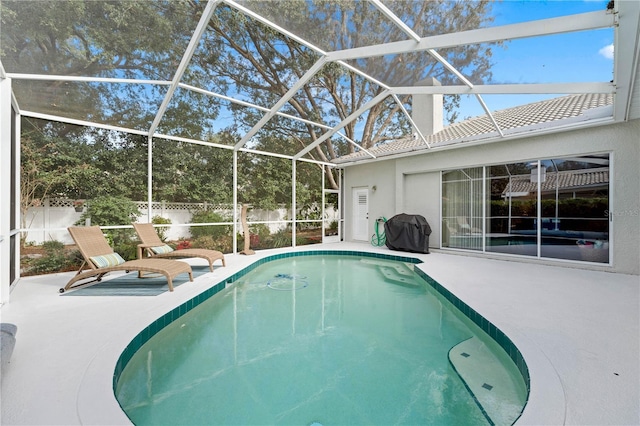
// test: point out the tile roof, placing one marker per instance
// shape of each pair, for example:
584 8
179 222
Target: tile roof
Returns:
511 120
565 179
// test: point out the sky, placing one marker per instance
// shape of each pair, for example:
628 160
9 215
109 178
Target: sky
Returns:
577 57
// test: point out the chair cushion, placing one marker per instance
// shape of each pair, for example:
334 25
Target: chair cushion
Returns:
161 249
105 260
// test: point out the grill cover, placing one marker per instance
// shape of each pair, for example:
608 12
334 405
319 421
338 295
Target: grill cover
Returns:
407 232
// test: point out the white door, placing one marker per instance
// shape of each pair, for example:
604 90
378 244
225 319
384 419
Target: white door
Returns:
360 214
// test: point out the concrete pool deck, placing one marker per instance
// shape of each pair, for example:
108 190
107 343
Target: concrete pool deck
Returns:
578 331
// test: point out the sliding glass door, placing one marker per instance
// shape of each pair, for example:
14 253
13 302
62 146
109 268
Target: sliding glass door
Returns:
512 209
574 203
551 208
462 205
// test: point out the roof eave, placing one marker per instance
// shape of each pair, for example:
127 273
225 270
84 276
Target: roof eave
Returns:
559 126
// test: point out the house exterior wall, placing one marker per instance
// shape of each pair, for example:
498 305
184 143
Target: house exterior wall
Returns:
412 184
381 175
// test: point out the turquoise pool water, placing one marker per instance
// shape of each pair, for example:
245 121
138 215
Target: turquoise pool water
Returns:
321 339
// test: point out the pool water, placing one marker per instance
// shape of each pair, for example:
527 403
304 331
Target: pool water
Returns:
312 340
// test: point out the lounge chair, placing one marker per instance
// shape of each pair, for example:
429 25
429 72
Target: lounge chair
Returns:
152 246
100 259
465 228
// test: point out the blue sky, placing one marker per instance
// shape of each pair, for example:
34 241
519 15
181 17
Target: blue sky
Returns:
577 57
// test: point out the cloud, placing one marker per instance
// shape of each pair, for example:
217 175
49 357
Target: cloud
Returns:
607 51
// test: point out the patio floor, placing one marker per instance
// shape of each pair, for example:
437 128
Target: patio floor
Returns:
578 331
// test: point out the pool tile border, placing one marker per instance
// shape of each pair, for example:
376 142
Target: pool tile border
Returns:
152 329
494 332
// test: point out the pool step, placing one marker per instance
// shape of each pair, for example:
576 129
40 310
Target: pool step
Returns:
492 383
392 275
400 268
394 272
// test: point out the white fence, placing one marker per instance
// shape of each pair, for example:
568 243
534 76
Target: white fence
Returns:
50 221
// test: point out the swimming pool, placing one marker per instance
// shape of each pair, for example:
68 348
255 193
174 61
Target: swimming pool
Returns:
328 339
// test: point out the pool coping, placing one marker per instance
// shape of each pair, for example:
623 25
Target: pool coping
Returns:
566 321
94 385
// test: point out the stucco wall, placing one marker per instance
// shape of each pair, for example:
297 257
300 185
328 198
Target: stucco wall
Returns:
381 201
397 179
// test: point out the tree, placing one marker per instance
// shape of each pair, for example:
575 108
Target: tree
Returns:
36 178
239 57
260 64
184 172
124 39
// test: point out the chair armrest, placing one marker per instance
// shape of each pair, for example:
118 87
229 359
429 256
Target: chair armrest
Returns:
142 247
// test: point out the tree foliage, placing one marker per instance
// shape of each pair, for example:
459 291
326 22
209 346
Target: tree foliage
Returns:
261 64
238 57
126 39
184 172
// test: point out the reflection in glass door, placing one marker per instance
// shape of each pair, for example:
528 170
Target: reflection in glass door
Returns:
574 201
512 192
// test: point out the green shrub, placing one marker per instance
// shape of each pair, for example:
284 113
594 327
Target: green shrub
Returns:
281 238
48 263
161 230
217 231
53 246
127 249
223 244
112 211
54 259
74 258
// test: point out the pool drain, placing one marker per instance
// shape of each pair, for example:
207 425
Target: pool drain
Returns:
286 282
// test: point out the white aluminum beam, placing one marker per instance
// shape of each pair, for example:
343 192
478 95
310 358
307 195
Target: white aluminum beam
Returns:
395 19
231 148
49 117
192 141
363 74
67 120
343 123
627 51
278 28
184 62
223 97
44 77
149 178
235 202
505 89
15 103
354 143
283 100
294 216
284 156
413 124
250 105
491 117
450 67
564 24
